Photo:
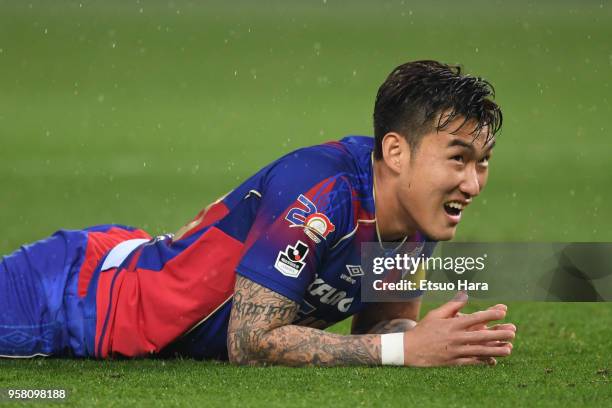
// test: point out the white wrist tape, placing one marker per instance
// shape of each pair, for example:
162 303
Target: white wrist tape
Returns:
392 348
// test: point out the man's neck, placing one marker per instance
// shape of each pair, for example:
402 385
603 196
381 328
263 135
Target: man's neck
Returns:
391 220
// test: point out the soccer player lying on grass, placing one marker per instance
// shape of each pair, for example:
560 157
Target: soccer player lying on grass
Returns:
257 275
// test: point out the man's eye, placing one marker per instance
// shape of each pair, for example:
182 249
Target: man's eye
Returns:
458 158
484 161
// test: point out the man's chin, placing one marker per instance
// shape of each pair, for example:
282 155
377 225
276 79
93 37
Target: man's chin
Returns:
445 234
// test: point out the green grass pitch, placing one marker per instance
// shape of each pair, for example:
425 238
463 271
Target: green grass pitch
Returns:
143 112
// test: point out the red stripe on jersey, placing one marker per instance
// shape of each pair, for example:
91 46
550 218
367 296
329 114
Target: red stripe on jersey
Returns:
205 218
98 245
215 213
336 144
321 190
153 308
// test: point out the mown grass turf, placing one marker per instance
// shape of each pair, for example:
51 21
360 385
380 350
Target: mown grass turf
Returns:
143 112
561 358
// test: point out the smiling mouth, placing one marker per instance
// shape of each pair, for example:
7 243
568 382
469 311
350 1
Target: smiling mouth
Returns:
453 208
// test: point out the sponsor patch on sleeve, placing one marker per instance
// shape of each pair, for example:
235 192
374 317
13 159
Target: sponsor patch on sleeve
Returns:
290 262
316 225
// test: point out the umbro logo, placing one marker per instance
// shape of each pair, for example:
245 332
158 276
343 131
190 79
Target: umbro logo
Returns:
353 272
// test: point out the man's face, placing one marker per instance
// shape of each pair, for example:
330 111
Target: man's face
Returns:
442 177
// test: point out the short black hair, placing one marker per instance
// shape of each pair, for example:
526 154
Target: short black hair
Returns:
417 93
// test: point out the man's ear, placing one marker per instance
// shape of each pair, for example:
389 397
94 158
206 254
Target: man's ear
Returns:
394 151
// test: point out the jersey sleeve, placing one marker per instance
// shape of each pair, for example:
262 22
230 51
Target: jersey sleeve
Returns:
303 211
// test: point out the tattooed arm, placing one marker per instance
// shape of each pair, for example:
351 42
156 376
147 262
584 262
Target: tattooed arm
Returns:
260 332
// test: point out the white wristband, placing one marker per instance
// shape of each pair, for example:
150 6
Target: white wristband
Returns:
392 348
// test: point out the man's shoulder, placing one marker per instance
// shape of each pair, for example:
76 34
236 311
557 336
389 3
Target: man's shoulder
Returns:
348 158
326 187
333 178
349 151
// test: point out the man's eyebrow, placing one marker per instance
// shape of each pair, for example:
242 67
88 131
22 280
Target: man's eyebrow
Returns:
461 143
469 146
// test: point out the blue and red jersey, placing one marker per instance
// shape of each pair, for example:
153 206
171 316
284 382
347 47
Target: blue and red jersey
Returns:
295 227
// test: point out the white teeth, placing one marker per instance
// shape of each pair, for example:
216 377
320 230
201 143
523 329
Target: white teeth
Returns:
456 205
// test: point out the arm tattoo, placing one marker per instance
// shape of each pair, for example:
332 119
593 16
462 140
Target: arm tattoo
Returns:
260 332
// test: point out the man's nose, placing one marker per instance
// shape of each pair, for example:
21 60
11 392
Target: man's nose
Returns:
470 184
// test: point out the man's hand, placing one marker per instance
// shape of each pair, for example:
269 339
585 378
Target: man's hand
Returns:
446 337
503 326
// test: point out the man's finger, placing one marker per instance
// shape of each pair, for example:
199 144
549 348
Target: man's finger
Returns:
489 360
503 326
474 361
499 306
482 336
451 308
469 361
483 351
482 317
499 344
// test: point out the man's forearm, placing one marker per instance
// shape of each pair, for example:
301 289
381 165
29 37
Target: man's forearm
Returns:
297 346
260 332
